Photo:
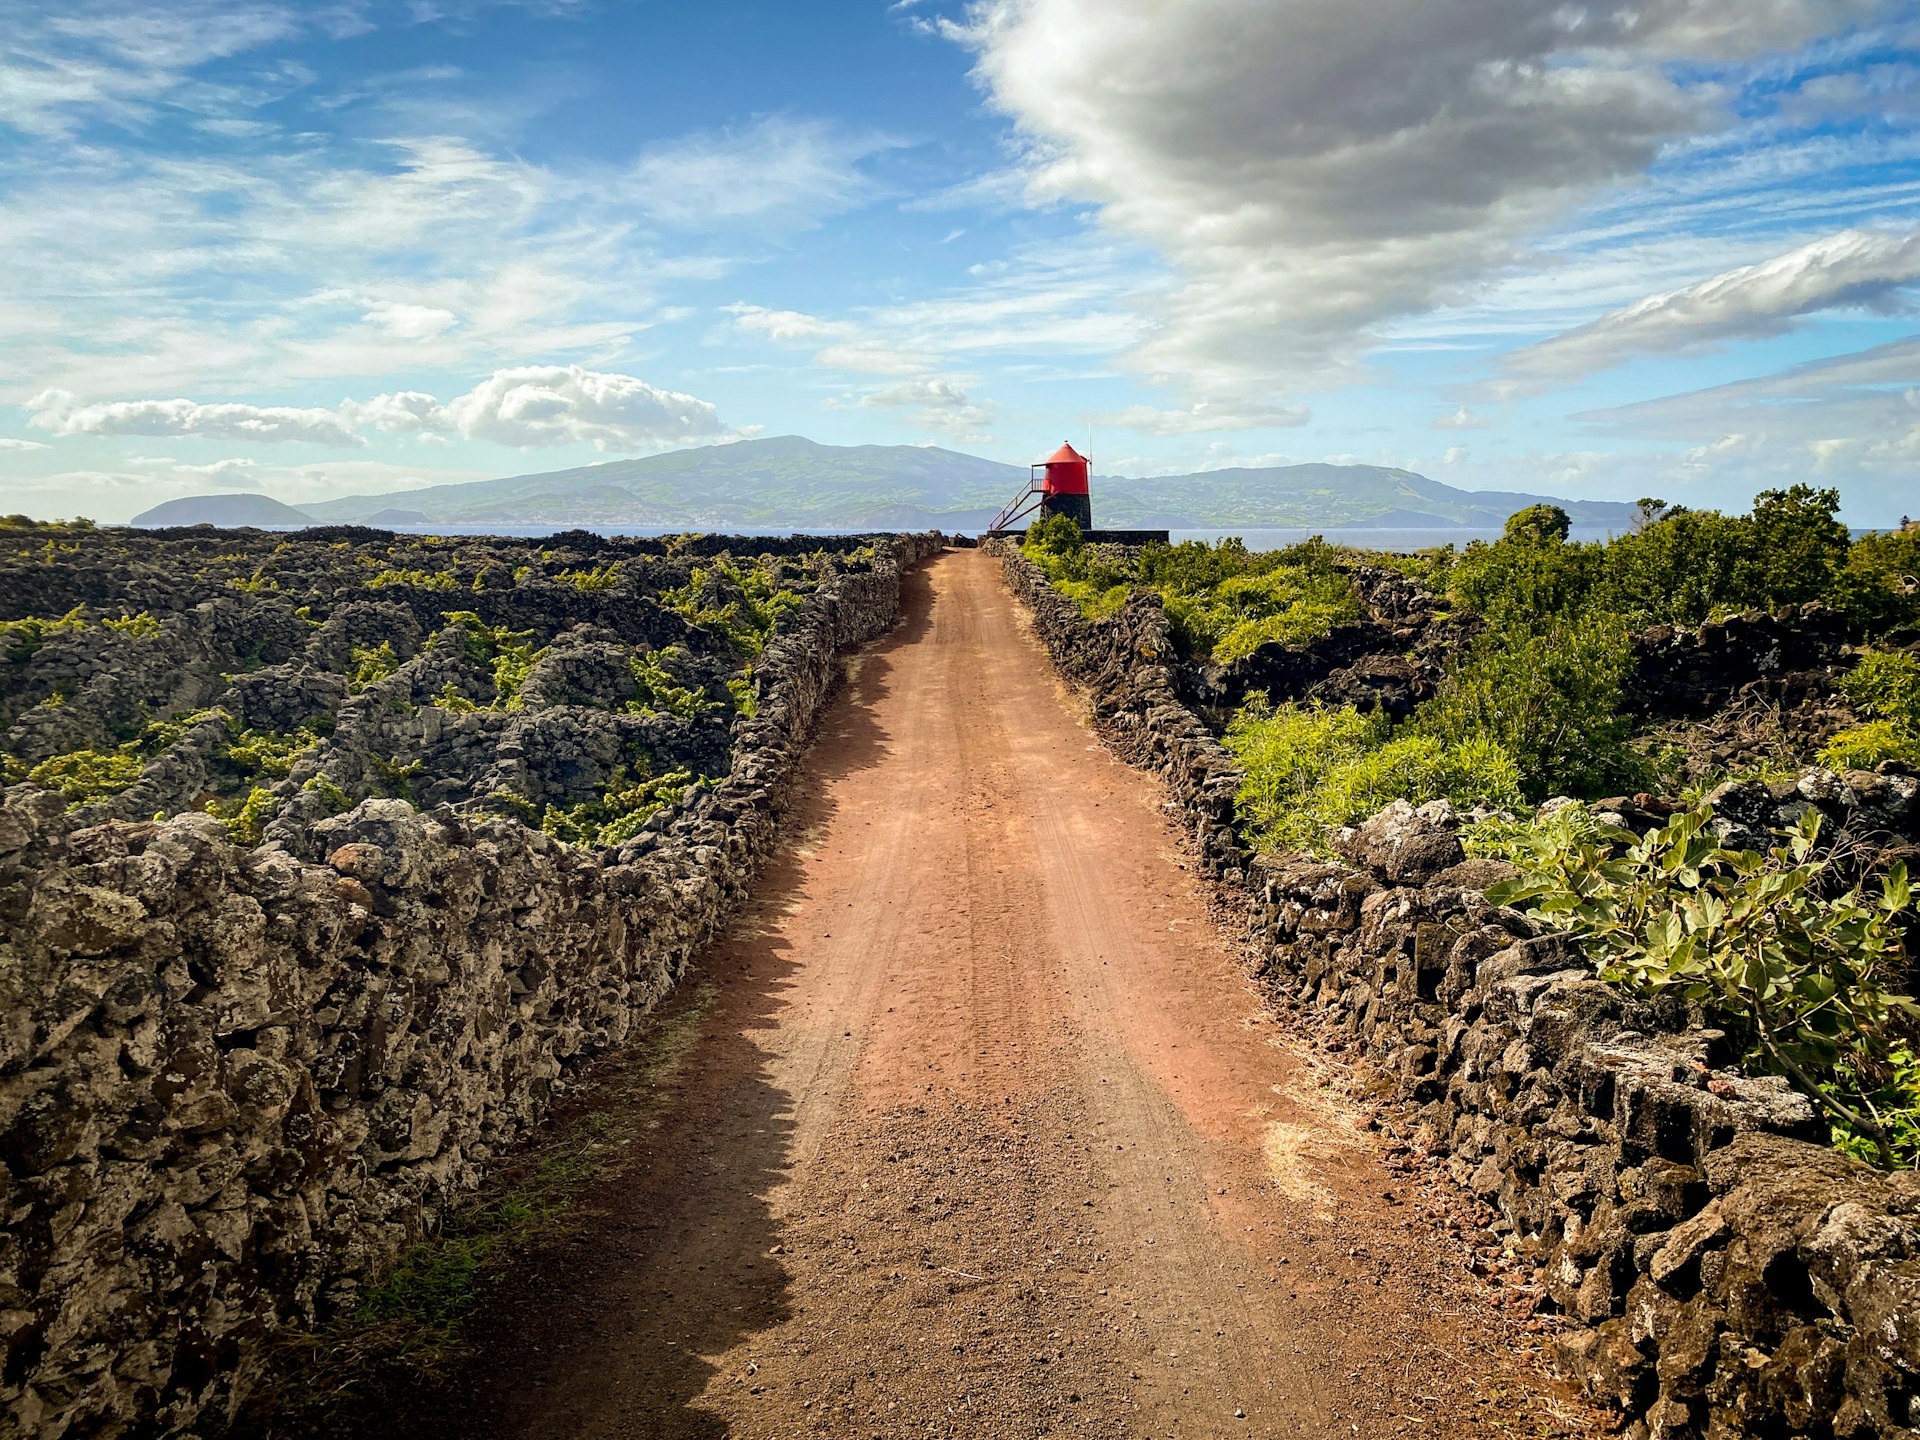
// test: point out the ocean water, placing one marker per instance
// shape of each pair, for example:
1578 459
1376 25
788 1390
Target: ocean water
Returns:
1361 538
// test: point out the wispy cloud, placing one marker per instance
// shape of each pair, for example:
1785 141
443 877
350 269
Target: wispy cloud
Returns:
1858 269
1204 416
778 171
936 403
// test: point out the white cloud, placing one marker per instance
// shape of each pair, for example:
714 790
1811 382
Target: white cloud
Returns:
778 324
1853 269
7 442
778 171
400 413
62 412
410 322
1315 169
119 62
1461 419
237 473
534 405
1205 416
874 357
1851 419
936 403
524 406
852 350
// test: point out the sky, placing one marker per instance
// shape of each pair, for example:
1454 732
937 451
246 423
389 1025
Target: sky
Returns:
1601 249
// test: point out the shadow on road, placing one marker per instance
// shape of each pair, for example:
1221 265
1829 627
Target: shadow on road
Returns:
672 1257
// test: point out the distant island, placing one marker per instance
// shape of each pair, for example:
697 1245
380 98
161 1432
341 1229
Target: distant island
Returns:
792 483
259 511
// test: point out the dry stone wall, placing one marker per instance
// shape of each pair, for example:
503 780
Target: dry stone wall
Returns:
235 1084
1726 1273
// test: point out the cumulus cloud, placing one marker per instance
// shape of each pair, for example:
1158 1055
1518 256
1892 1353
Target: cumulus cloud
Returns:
400 413
1461 419
62 412
564 405
936 403
1853 269
524 407
1315 169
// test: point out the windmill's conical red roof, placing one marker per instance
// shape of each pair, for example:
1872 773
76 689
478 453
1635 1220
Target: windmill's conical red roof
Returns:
1065 455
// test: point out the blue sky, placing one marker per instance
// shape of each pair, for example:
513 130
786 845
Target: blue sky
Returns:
1601 249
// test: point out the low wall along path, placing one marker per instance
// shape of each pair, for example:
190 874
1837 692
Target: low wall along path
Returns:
234 1085
1729 1274
983 1127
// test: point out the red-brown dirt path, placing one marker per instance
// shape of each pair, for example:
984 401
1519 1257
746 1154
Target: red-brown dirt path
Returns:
985 1133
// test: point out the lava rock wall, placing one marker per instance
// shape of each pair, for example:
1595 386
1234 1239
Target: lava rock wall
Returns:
1726 1273
235 1084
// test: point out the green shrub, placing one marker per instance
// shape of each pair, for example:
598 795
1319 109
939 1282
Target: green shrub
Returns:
422 579
594 581
1879 587
1310 770
1680 568
1800 972
657 690
20 639
1861 747
1798 546
1222 600
258 581
266 752
1551 699
337 800
245 818
396 775
83 776
746 695
1886 686
742 603
630 801
370 664
509 654
451 699
138 626
1538 525
1097 585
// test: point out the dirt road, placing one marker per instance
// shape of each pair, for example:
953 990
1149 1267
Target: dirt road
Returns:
985 1135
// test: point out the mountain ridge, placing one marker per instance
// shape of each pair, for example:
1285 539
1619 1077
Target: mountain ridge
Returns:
791 481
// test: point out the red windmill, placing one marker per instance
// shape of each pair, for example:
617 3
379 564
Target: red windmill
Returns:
1055 486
